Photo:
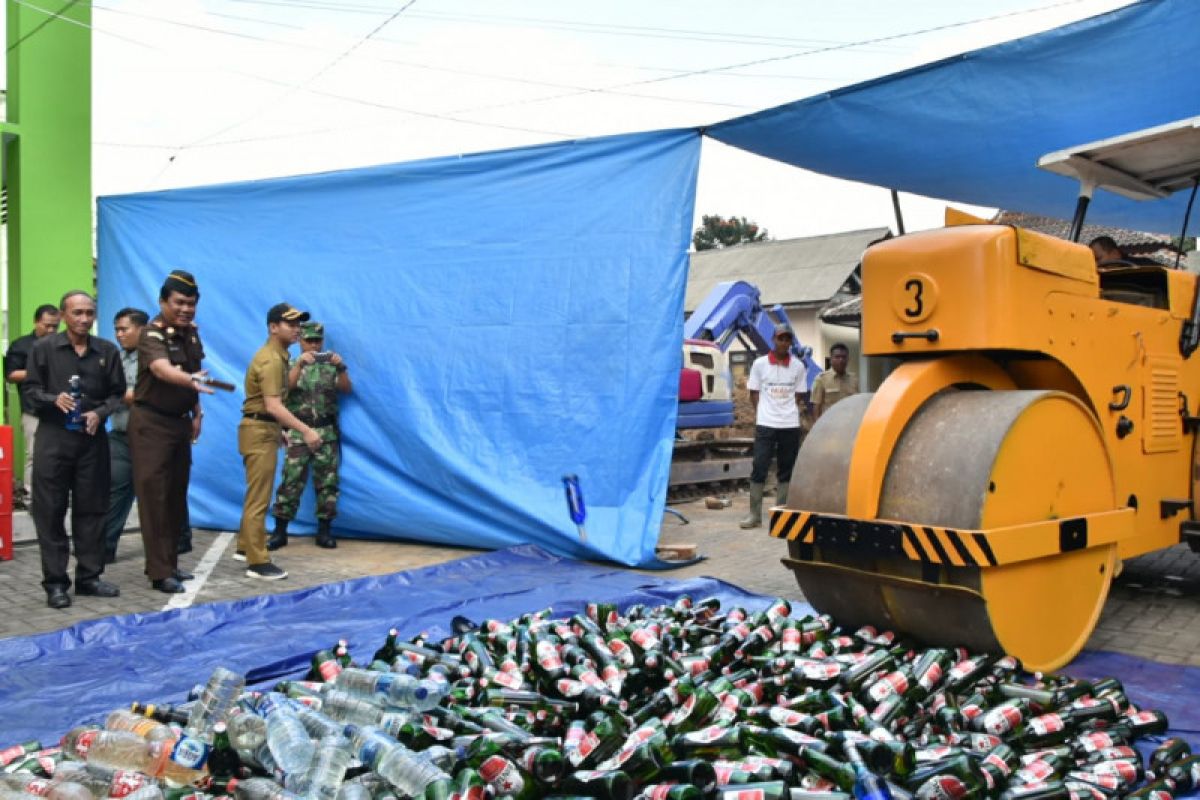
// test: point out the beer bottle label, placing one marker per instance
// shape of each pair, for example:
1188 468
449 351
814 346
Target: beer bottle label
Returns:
791 640
942 787
548 657
997 762
785 716
644 638
724 770
1047 724
1035 772
815 783
587 744
744 794
962 669
85 742
659 791
190 753
1108 783
1092 742
1122 770
503 776
820 670
11 754
936 753
585 775
1001 720
621 650
124 782
931 677
892 683
329 669
508 680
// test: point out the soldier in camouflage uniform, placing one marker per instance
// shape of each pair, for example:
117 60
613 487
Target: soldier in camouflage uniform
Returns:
314 379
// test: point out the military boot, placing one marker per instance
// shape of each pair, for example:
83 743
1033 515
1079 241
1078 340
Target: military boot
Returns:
754 519
325 535
278 537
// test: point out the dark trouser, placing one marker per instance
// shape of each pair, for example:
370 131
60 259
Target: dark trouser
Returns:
782 444
70 467
120 496
161 449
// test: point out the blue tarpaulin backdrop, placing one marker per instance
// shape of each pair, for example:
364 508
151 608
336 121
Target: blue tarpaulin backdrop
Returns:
972 127
508 317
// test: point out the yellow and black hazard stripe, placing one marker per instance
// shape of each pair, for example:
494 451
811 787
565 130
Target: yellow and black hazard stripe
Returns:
934 545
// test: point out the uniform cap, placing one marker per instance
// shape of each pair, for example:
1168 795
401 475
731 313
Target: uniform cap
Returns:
284 312
783 330
181 281
312 330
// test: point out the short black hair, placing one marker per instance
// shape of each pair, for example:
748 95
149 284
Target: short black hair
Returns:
44 308
62 304
1107 242
840 346
136 316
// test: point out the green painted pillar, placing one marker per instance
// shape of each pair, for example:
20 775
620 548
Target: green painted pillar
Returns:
47 159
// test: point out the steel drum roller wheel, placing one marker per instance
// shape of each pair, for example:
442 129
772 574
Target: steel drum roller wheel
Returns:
968 460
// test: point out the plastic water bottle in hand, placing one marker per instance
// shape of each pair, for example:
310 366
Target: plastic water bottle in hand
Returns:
74 421
216 699
286 737
394 689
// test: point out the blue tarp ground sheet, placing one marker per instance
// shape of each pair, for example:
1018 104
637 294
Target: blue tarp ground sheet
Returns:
54 680
508 318
972 127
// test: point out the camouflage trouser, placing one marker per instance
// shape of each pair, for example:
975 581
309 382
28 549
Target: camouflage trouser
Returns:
296 463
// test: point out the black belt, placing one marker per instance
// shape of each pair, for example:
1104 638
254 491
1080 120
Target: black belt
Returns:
319 422
260 417
161 412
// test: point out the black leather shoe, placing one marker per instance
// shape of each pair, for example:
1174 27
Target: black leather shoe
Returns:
276 541
168 586
58 598
98 588
180 575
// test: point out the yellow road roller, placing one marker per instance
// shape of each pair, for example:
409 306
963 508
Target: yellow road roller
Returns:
1036 429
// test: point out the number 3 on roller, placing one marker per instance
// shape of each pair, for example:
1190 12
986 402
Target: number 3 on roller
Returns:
914 297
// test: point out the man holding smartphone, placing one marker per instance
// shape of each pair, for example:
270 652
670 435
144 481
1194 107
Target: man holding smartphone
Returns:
315 378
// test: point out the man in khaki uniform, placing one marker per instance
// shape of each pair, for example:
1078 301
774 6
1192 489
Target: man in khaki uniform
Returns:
834 384
263 412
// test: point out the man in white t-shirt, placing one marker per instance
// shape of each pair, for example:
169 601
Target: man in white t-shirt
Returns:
777 390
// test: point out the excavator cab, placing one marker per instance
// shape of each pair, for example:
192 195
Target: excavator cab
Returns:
1036 431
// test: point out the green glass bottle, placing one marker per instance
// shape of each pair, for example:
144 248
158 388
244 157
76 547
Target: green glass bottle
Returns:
699 772
608 784
768 790
546 764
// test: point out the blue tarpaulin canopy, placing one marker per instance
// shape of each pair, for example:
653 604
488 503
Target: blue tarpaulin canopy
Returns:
507 317
971 128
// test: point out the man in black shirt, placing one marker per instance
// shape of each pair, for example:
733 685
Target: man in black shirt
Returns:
72 466
45 322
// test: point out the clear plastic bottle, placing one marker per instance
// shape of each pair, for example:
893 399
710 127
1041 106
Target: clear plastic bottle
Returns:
347 708
317 723
145 793
287 739
215 700
68 790
401 767
149 729
394 689
247 730
261 789
352 790
102 781
181 761
328 769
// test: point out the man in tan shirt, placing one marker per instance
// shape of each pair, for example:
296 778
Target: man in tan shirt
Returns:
263 412
834 384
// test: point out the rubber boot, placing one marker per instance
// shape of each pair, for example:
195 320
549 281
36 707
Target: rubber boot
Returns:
325 535
754 519
278 537
781 494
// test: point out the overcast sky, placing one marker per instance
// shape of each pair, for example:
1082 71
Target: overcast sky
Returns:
190 92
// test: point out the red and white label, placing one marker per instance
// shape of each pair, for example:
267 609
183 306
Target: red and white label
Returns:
1035 771
503 776
644 638
621 650
660 791
892 683
820 670
11 754
1047 724
997 762
329 669
126 782
942 787
84 742
744 794
705 735
1001 720
1122 770
38 787
724 770
931 677
791 640
1091 742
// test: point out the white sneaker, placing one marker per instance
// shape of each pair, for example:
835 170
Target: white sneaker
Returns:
265 572
239 555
